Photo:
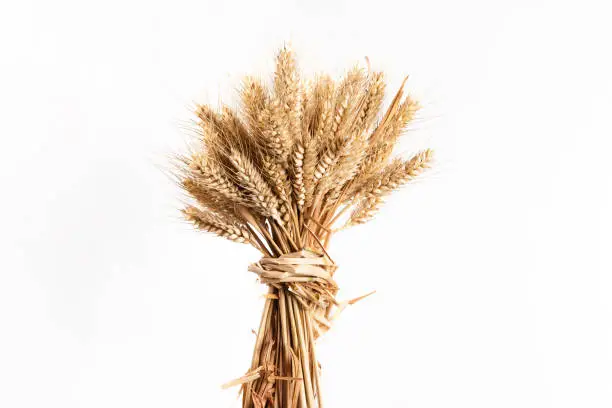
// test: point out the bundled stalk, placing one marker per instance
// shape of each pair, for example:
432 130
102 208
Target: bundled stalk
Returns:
294 165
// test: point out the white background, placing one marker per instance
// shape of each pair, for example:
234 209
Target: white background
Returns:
493 274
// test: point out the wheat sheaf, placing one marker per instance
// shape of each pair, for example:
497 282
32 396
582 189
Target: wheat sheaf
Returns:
295 163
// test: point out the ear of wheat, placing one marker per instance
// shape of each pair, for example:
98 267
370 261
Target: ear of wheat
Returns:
278 174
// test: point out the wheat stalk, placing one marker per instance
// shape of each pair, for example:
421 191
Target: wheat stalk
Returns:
278 173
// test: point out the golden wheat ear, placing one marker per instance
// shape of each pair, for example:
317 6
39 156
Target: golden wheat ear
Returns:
216 224
392 177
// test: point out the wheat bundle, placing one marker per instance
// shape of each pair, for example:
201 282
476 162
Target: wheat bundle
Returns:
293 165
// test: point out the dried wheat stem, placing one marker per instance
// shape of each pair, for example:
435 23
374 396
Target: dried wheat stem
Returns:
259 227
281 238
295 342
308 319
285 338
305 356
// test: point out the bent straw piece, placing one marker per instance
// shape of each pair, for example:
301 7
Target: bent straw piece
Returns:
318 241
346 303
247 378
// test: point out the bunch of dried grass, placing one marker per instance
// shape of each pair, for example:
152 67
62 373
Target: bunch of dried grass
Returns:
279 174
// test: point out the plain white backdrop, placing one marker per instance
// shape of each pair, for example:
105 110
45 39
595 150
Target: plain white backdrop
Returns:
493 274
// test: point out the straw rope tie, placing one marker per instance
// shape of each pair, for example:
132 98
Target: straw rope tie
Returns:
305 274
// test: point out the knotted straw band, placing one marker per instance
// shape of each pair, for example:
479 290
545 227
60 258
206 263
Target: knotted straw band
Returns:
306 274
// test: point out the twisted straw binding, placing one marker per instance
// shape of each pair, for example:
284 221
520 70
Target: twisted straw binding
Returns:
305 275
